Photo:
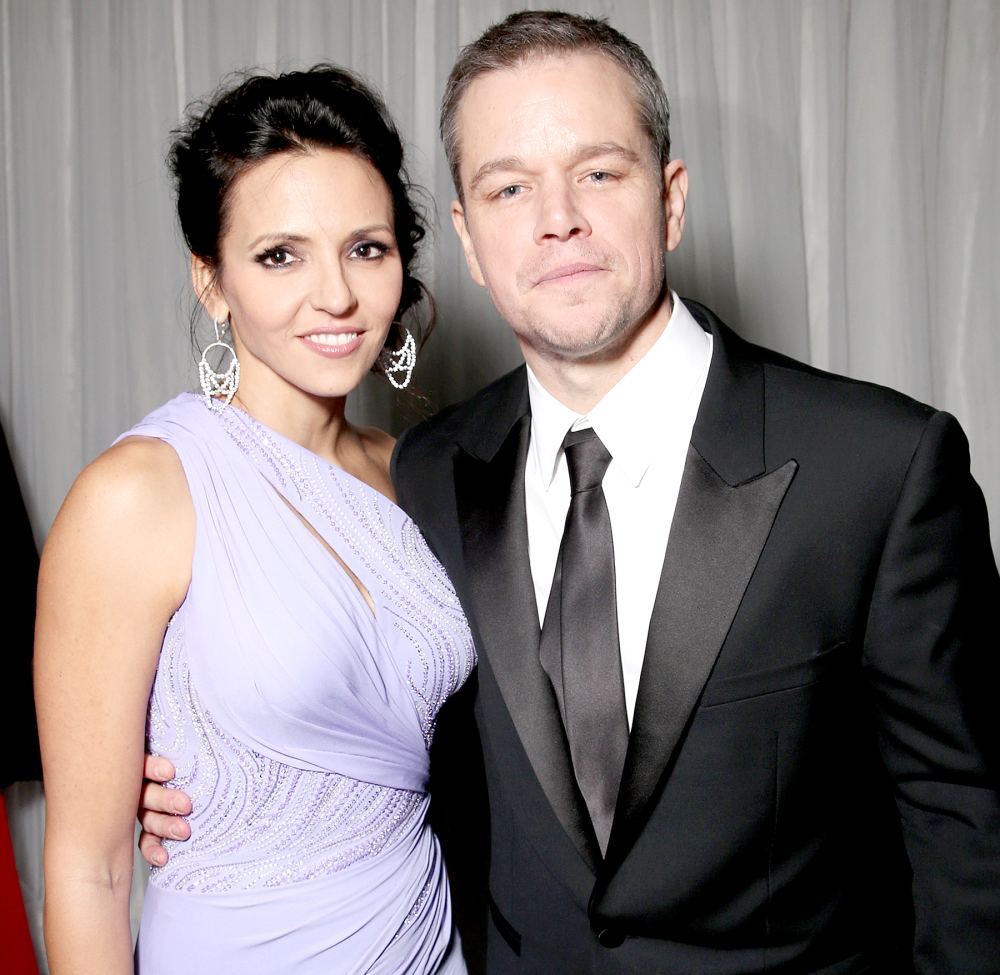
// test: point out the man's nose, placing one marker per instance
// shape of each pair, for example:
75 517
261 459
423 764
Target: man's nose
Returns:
560 215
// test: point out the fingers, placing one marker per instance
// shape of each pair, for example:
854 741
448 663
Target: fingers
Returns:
157 827
160 812
152 850
164 827
157 768
159 799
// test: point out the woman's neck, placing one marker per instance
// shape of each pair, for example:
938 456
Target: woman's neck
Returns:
317 423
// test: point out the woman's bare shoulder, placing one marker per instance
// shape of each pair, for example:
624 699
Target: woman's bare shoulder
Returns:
136 477
131 505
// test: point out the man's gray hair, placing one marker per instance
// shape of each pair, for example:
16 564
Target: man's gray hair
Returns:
532 34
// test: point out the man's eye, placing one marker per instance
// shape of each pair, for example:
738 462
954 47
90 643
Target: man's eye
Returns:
509 192
600 176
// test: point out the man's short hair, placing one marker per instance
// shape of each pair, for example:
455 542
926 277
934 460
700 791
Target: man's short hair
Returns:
528 34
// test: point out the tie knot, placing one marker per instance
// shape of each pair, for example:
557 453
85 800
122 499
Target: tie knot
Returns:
587 459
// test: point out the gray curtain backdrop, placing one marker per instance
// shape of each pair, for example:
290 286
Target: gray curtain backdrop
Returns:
844 202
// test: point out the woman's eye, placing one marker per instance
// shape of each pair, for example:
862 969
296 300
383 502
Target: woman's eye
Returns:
276 257
370 250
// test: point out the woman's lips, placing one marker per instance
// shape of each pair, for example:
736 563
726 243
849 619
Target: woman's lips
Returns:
333 345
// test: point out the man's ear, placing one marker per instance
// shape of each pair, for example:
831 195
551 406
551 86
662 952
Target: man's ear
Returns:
204 280
462 229
675 188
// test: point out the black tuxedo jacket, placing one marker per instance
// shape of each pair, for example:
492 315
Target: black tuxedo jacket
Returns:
811 783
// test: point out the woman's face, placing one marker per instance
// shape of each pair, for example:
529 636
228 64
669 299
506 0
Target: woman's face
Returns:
309 272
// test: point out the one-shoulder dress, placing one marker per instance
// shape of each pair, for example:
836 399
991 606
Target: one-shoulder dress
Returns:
299 719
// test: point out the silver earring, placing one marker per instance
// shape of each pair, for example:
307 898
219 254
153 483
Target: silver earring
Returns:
215 384
401 361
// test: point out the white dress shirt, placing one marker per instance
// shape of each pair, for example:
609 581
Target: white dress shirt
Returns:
645 421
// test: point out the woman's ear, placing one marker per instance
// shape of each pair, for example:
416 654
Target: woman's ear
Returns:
204 280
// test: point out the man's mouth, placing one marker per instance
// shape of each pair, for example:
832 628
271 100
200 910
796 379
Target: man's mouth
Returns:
569 273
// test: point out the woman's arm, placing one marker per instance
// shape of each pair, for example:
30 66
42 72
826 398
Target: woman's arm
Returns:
116 565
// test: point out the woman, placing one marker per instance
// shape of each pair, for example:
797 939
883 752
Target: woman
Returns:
238 553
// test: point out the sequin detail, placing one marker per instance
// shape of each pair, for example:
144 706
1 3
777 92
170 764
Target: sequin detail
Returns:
415 911
258 823
299 716
407 582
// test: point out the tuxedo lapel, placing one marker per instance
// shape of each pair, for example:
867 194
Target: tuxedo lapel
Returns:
720 525
489 492
716 537
725 509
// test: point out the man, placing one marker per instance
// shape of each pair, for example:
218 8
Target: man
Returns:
734 682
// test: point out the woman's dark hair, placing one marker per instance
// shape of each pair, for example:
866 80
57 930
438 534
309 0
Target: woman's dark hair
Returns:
263 115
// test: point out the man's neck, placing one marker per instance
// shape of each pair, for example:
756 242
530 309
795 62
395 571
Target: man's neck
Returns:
581 383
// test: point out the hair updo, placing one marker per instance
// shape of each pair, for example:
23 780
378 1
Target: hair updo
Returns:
324 107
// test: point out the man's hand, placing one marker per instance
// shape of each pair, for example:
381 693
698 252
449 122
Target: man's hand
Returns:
160 810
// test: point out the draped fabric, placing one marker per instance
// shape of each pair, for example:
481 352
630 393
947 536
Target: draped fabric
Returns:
286 654
843 207
299 716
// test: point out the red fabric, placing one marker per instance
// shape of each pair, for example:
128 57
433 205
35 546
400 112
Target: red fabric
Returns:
18 954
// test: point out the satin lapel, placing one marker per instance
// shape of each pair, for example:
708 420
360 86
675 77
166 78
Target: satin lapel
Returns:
716 538
490 498
724 513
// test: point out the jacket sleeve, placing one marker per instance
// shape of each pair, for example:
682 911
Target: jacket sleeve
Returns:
459 809
931 653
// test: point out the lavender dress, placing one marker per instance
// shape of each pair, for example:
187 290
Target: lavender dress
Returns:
299 720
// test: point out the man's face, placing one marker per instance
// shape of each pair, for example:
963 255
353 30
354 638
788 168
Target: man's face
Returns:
566 211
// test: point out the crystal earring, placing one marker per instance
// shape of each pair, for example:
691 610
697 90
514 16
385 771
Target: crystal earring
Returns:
215 384
401 361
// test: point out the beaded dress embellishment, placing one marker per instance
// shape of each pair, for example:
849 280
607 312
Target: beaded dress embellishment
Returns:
411 581
260 823
264 823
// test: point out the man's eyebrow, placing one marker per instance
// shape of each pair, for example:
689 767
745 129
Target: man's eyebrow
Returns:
493 166
582 154
585 153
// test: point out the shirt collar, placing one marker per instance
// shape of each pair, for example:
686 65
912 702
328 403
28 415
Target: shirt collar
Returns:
658 387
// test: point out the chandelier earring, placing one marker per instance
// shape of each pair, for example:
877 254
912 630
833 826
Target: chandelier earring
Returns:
400 363
219 387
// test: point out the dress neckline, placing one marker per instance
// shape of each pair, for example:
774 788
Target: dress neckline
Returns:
249 420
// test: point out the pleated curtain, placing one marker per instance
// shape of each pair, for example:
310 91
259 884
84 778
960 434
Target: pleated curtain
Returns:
844 203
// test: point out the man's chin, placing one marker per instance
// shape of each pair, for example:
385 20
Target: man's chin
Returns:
563 334
595 344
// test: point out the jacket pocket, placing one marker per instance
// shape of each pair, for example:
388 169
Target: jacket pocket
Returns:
830 660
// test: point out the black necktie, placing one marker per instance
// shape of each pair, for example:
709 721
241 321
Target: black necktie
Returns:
579 644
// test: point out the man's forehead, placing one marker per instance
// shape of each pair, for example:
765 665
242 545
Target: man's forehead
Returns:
543 80
553 66
550 102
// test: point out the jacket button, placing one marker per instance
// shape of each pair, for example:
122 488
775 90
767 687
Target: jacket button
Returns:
610 937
